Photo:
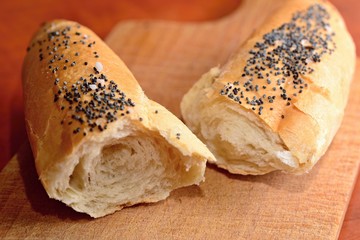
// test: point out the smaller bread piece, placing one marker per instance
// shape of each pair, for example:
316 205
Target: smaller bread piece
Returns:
99 143
280 99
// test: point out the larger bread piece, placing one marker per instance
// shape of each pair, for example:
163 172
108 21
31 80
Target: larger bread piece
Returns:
279 100
99 143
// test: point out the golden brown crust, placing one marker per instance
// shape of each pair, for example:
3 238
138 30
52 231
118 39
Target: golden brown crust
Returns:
319 57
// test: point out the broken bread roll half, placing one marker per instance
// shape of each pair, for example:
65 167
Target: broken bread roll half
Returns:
99 143
279 100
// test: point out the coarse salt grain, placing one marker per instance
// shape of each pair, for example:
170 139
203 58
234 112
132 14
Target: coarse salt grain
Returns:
93 86
309 60
101 81
328 29
305 43
99 67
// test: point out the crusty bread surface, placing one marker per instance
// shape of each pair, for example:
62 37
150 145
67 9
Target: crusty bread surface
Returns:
279 100
99 143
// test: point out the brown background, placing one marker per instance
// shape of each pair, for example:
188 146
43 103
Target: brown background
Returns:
19 19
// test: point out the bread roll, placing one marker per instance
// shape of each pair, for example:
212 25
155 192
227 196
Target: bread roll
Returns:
99 143
279 100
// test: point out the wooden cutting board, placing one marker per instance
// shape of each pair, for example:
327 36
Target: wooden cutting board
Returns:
167 58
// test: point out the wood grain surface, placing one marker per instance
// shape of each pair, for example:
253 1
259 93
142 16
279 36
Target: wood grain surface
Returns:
19 19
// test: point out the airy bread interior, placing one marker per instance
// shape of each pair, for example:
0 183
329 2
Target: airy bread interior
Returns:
127 167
